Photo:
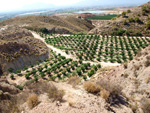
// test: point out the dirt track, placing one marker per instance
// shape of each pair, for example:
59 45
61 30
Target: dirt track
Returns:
104 64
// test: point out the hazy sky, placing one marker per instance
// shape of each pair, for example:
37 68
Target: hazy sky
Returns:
8 5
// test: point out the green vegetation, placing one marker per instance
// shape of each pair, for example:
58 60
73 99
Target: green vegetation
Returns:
148 25
57 67
123 14
128 11
125 22
131 19
137 19
100 48
105 17
10 70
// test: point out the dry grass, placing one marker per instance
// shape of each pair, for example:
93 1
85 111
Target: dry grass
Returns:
92 87
55 94
32 101
9 106
112 93
39 87
104 94
74 81
110 87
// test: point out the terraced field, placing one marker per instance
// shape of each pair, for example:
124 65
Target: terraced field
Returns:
88 50
55 68
99 48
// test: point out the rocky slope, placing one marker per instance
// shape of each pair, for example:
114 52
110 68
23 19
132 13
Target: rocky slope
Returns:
18 49
135 22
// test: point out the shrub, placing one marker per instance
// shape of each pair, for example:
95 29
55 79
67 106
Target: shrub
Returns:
99 66
42 74
148 25
143 13
128 11
144 8
137 19
119 32
79 71
36 77
55 94
91 87
74 81
25 68
84 77
115 92
123 13
104 94
10 70
18 71
91 73
113 18
19 87
27 76
32 101
131 19
12 76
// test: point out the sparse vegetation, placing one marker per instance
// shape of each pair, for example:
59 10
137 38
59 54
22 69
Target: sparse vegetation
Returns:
10 70
148 25
55 94
123 14
128 11
32 101
52 77
92 87
74 80
125 22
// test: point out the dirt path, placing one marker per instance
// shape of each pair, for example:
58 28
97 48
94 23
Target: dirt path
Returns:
104 64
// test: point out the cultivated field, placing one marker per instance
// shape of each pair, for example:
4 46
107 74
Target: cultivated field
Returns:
88 50
105 17
55 68
99 48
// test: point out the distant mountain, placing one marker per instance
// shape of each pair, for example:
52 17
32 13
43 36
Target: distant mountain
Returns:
109 2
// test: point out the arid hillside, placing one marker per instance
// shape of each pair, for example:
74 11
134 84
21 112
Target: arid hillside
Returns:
18 46
133 22
54 24
131 79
